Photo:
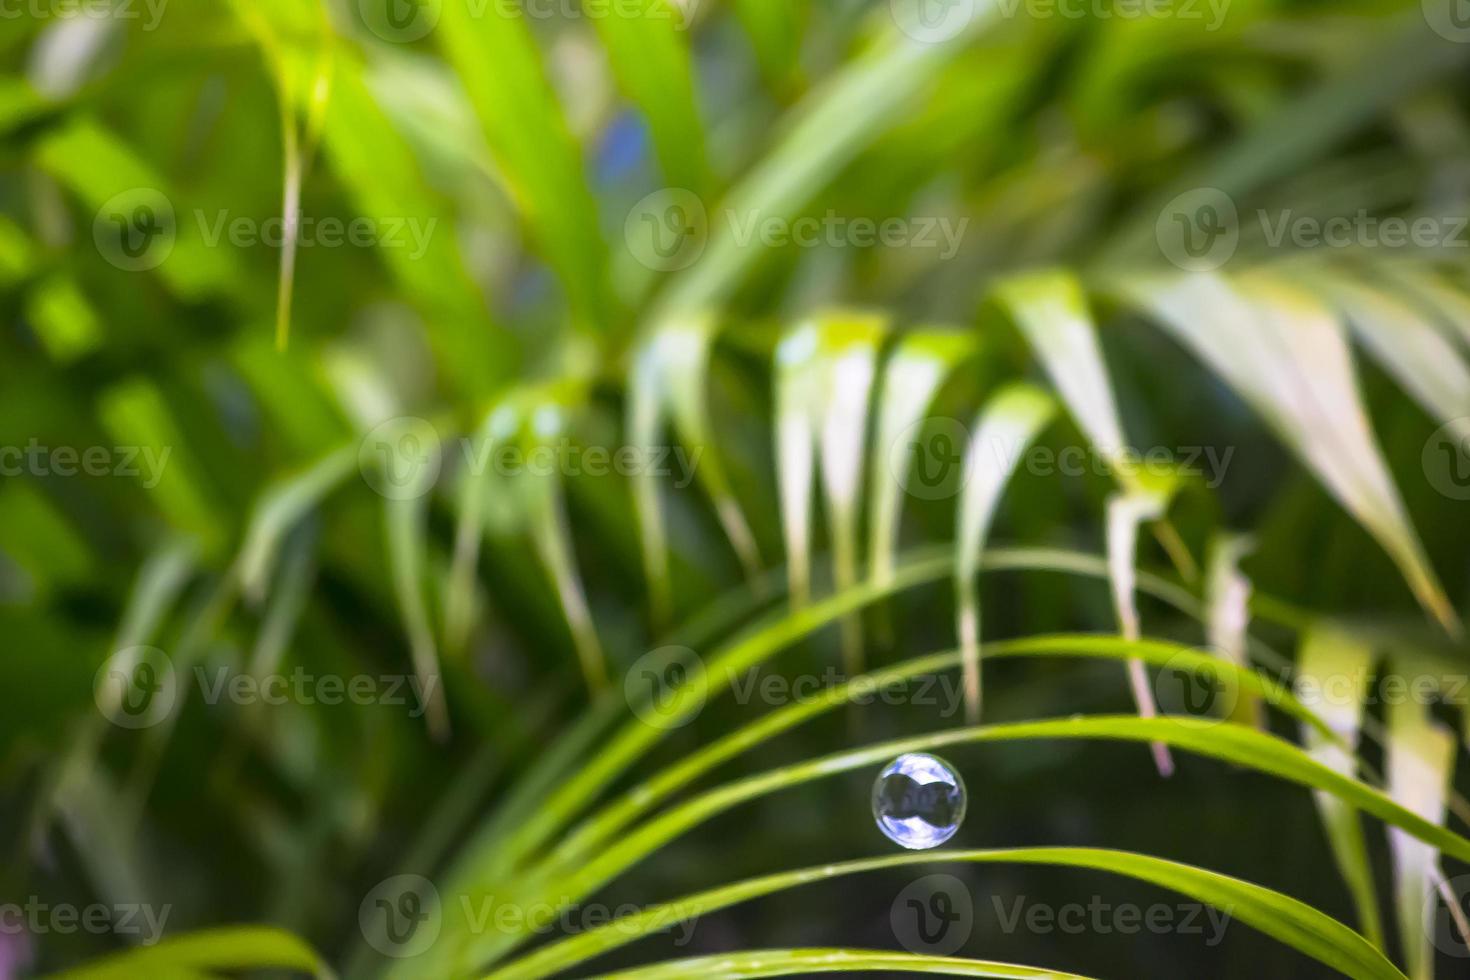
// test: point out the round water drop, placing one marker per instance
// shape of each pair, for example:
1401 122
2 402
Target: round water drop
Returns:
919 801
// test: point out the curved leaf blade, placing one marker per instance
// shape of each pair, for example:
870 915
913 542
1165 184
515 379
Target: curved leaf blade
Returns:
201 953
1286 919
751 963
1285 355
1006 426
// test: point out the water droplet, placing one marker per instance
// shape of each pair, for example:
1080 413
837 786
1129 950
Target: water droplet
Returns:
918 801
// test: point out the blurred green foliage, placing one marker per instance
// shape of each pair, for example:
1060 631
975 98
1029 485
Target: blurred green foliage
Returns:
279 279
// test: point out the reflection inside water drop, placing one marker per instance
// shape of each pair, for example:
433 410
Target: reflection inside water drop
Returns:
918 801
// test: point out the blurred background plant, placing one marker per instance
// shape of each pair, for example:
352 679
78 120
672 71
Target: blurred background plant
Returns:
467 351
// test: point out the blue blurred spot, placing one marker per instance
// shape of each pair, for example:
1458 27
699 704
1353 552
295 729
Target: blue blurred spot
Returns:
623 148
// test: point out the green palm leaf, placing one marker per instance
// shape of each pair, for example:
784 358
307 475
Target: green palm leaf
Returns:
1283 918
